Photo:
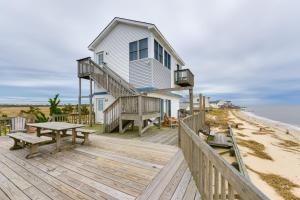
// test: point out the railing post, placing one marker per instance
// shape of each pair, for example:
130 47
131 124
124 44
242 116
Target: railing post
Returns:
120 118
179 129
140 114
91 103
79 101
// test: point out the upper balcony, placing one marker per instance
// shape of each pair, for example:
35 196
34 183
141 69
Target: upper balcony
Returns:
184 77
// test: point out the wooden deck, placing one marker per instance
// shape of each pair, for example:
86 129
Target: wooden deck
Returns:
110 168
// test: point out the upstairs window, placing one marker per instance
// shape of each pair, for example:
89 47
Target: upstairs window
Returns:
143 48
167 60
138 49
133 51
158 51
160 54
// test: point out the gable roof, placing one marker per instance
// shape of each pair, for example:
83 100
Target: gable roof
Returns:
151 27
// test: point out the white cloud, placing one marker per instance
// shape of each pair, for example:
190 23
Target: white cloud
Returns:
242 47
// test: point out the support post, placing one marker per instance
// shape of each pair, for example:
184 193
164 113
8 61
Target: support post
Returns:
79 102
191 101
140 117
91 102
201 110
120 118
179 130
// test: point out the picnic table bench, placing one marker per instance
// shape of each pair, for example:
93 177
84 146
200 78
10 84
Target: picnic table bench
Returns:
33 142
85 134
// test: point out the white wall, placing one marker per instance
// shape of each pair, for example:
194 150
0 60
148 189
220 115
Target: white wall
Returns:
116 47
174 102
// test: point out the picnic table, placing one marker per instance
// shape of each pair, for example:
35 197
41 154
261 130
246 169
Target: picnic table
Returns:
58 130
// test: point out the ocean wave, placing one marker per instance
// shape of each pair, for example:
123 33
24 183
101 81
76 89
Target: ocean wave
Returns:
283 124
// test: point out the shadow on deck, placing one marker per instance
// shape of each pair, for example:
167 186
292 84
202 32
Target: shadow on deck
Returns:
110 168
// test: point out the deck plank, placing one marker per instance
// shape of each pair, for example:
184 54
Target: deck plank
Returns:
170 189
11 190
157 186
182 186
3 196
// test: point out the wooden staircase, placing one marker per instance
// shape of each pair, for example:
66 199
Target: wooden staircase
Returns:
105 78
129 105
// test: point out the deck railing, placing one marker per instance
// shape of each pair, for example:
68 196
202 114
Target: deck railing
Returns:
73 118
184 77
215 178
129 105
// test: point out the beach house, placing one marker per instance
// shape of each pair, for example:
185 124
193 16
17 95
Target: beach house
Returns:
139 54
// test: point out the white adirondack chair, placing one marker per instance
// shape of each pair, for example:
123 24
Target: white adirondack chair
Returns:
17 125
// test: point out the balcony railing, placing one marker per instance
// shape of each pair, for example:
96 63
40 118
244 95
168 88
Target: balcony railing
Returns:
184 77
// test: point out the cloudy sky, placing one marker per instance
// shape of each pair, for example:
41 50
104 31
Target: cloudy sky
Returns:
246 51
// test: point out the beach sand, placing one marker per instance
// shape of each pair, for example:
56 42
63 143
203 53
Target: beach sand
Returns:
283 149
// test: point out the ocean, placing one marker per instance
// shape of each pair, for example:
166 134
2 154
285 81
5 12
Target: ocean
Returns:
289 114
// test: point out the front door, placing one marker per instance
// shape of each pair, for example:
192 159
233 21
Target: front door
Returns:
100 108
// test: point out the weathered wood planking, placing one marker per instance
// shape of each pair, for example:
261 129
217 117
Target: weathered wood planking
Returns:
92 172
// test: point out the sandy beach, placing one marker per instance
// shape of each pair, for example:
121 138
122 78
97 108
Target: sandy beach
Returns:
271 153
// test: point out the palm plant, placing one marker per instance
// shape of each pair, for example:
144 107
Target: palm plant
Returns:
54 109
40 117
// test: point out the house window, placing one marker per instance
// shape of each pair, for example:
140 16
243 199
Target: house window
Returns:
138 49
133 51
167 60
160 54
100 58
143 48
158 51
100 104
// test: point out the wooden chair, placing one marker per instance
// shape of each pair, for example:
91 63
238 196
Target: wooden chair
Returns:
17 125
170 121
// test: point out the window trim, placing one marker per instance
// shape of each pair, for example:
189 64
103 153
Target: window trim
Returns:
97 54
167 59
137 50
160 49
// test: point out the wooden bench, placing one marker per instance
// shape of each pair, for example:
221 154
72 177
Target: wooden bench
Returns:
23 139
85 134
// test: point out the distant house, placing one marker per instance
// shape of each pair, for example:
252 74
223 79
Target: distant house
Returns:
220 104
184 104
138 53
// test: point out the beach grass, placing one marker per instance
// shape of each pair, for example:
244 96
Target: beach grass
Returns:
257 148
281 185
218 118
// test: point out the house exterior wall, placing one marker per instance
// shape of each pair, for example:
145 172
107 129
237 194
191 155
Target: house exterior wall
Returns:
140 73
116 47
174 102
161 75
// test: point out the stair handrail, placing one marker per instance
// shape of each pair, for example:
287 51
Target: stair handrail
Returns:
113 74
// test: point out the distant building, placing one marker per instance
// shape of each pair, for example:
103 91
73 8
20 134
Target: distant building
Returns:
220 104
185 104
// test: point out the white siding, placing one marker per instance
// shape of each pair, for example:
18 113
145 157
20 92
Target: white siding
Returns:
140 73
174 102
161 75
116 47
